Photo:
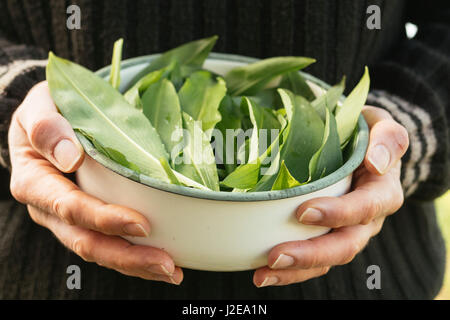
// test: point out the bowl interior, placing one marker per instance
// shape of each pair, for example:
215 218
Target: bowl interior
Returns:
221 63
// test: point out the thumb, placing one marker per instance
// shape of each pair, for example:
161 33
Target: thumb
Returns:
388 140
49 133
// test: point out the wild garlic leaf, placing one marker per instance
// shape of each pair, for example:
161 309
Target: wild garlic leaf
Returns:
133 95
191 54
268 125
200 97
176 76
198 162
92 106
251 148
294 82
244 177
347 115
284 179
329 157
301 139
265 164
251 78
114 78
267 98
110 152
162 107
231 120
329 99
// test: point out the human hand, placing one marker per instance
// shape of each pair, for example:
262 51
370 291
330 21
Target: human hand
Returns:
355 217
42 146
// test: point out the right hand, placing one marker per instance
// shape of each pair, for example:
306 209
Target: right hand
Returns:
42 147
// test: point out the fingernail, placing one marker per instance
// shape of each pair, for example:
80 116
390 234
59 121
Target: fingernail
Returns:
135 230
66 154
159 269
311 216
283 261
269 281
380 157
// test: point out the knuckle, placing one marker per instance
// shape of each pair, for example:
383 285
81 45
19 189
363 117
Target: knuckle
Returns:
34 215
101 222
384 114
40 85
402 138
398 200
309 261
324 270
372 208
351 253
17 188
83 248
62 208
342 213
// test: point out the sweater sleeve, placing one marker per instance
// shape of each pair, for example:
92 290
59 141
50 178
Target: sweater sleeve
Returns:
20 68
413 83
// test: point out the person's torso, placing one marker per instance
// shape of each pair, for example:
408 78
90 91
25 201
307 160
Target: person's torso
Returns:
335 33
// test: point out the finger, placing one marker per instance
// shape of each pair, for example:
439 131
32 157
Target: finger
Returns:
49 132
40 184
335 248
373 196
264 277
111 251
388 140
176 278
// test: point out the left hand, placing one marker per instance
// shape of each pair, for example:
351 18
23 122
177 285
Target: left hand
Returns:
354 217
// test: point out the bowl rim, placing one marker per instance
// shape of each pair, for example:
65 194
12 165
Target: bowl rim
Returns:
349 166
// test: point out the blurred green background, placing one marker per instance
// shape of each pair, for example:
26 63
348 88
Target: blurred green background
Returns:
443 212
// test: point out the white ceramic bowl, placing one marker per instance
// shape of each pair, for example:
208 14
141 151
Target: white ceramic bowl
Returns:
207 230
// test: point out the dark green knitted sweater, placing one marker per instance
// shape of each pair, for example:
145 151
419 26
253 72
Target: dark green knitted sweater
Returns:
411 79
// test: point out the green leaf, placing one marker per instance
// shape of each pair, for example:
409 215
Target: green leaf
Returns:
92 106
200 97
244 177
251 78
294 82
231 120
176 76
110 152
347 116
349 147
191 54
264 119
249 151
284 179
329 99
267 98
162 107
114 78
301 139
198 162
329 157
169 171
133 95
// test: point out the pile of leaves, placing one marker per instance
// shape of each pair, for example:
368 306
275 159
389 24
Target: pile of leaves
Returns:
173 120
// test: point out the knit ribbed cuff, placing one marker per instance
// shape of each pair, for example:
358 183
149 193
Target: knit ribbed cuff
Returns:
418 166
20 68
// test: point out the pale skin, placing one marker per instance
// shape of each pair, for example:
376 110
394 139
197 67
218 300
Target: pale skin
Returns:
43 147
